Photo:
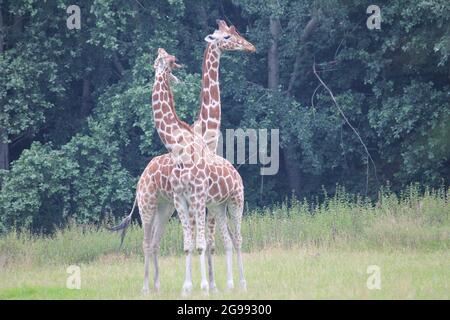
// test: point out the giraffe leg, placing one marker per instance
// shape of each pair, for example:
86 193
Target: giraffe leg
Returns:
188 243
164 213
236 210
198 208
146 246
210 247
223 227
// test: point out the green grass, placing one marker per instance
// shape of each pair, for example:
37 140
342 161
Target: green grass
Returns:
306 273
292 251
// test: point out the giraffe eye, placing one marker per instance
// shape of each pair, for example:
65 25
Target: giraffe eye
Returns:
227 37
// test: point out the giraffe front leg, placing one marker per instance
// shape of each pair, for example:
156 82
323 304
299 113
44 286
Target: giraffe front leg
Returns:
198 210
204 282
161 219
222 219
188 243
187 285
210 248
146 246
236 214
147 210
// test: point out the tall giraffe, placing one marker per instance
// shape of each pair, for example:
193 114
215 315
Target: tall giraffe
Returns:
191 167
223 39
208 125
222 192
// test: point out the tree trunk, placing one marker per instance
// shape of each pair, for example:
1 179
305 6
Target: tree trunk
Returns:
4 152
86 98
310 27
1 30
272 54
294 174
202 17
117 64
4 147
292 171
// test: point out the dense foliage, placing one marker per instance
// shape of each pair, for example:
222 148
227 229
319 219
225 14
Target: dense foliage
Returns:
76 127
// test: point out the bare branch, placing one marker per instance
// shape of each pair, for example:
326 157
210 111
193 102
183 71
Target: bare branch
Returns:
369 156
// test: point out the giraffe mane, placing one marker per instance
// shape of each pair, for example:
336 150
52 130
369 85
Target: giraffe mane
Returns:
208 45
174 111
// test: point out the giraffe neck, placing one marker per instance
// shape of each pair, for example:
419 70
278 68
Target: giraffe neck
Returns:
208 122
166 121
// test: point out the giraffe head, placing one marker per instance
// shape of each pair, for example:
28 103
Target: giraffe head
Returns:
229 39
165 63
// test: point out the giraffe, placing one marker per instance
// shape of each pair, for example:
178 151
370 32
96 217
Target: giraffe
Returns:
208 125
189 179
223 39
222 193
190 172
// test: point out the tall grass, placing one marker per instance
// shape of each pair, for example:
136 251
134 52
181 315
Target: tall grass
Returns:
413 219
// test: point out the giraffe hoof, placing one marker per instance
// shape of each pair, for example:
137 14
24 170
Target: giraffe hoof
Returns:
145 291
243 285
205 292
185 293
205 288
213 289
230 285
187 289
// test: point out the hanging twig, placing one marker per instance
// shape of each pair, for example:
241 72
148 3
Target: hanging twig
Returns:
312 101
140 4
369 157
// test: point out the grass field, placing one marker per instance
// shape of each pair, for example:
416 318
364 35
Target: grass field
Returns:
294 251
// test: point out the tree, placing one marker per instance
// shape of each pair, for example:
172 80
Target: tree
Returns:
76 103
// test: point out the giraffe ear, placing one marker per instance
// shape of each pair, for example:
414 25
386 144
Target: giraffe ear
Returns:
210 38
174 79
158 64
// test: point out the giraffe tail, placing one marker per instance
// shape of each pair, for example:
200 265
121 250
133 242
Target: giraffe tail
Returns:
232 233
124 224
233 237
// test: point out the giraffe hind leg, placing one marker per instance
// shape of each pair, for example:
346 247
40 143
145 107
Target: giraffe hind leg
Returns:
198 209
146 246
235 209
210 248
188 241
165 211
228 243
